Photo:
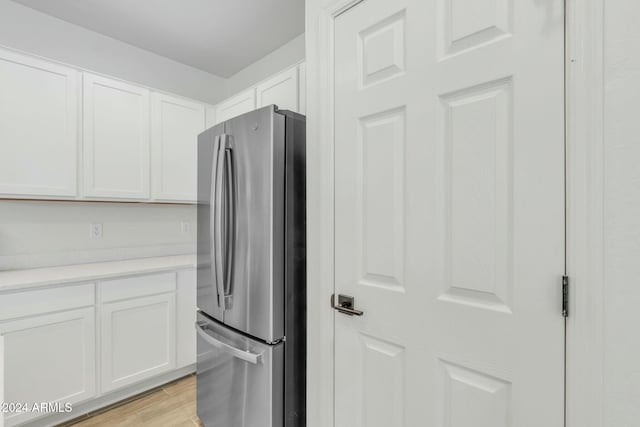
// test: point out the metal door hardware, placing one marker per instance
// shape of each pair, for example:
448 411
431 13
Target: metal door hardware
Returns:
345 305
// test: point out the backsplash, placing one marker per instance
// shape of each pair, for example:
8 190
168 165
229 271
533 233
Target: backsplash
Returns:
47 233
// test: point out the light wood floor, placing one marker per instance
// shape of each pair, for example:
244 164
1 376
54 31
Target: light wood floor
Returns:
172 405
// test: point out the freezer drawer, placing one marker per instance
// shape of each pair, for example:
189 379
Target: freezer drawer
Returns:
239 380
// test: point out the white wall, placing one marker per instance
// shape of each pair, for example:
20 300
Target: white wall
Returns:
39 233
284 57
622 213
34 32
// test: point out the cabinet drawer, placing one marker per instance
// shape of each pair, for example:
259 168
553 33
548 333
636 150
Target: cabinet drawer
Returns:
137 286
41 301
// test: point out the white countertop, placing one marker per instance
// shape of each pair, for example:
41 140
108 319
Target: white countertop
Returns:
24 279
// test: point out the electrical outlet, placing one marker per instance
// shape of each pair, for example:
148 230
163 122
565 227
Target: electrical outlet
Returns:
95 231
185 226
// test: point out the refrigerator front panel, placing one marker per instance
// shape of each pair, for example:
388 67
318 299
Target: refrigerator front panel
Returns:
254 281
207 284
239 380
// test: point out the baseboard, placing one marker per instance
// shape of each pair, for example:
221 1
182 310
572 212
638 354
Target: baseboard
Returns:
107 399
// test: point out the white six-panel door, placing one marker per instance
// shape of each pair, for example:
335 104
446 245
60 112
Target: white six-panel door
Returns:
449 217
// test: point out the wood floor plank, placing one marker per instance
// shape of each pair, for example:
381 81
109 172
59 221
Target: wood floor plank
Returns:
172 405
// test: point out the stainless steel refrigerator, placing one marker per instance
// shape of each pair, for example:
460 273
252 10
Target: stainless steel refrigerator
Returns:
251 322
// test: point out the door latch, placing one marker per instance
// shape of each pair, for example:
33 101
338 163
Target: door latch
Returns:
345 305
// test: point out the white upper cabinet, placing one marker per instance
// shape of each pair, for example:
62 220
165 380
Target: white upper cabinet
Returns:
175 125
116 139
236 105
287 90
70 134
281 90
38 127
210 116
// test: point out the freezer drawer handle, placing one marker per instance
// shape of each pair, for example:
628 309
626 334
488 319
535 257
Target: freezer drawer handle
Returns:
245 355
345 305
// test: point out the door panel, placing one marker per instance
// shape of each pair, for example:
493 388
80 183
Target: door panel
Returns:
116 139
38 127
449 213
138 339
256 291
252 263
281 90
185 318
49 358
236 105
175 125
207 291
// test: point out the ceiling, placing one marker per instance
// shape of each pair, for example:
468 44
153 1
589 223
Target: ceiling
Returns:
217 36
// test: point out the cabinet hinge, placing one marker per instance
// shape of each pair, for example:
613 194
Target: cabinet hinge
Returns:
565 296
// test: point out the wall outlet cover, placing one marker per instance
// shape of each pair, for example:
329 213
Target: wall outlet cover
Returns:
95 231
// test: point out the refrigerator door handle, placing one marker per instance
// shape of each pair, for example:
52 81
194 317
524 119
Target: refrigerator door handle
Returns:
216 199
230 214
246 355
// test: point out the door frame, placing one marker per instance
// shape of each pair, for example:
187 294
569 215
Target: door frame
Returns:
584 88
320 22
584 209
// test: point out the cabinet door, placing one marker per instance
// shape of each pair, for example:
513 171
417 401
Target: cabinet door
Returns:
38 127
138 339
236 105
210 116
186 312
175 125
49 358
281 90
116 139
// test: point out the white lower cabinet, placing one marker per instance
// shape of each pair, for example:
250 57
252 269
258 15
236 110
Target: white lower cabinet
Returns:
49 358
186 318
138 339
75 343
